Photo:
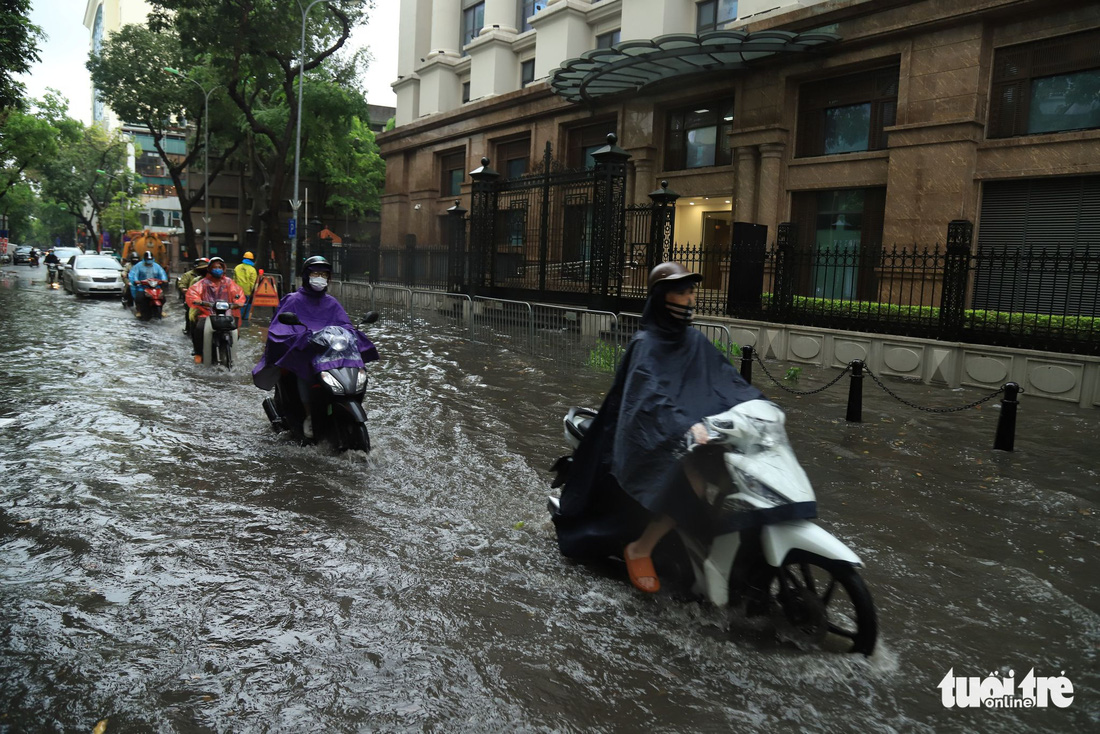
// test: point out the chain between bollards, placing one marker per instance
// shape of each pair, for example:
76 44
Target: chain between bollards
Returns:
780 385
1006 423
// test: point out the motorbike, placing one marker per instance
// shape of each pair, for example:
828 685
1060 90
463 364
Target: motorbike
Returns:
220 336
153 302
52 276
764 558
335 394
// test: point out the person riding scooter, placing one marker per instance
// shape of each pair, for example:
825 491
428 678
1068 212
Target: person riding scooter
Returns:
147 268
628 484
204 293
184 282
127 296
287 354
52 259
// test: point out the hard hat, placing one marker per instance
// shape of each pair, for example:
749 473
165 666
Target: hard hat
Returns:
249 256
669 272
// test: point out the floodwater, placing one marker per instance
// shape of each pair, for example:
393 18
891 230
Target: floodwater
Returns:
168 564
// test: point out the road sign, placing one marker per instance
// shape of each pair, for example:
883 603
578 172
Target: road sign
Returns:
265 293
292 228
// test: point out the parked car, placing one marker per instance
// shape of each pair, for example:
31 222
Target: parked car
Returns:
92 275
21 254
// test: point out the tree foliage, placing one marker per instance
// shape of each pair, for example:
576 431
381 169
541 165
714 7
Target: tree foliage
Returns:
30 137
18 51
252 47
130 72
72 176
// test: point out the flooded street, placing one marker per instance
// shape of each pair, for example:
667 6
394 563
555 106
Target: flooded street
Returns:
168 563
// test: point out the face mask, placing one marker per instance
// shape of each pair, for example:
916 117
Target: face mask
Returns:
683 313
216 272
318 283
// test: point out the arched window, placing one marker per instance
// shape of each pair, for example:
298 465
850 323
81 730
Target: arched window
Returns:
158 217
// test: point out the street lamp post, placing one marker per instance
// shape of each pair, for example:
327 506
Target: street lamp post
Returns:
296 202
205 156
121 215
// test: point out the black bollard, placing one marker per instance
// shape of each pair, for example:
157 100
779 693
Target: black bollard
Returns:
746 363
1006 423
855 393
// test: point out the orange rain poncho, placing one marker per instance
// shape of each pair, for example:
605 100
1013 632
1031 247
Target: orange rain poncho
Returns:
209 290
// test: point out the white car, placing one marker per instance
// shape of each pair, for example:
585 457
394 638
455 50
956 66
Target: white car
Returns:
93 275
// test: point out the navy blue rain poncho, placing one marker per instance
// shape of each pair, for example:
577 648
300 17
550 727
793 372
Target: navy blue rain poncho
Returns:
628 469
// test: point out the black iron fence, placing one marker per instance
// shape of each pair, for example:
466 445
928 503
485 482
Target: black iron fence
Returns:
566 236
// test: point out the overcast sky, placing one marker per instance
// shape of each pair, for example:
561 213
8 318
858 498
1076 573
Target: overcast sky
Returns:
65 51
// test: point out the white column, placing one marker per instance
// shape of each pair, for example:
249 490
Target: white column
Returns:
563 33
446 27
501 13
645 19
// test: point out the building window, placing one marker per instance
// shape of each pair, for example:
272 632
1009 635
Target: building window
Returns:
452 168
713 14
473 19
841 230
465 92
847 114
527 9
513 158
527 72
584 141
698 136
607 40
1046 86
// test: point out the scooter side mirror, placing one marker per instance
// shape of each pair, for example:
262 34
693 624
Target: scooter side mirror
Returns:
370 317
289 318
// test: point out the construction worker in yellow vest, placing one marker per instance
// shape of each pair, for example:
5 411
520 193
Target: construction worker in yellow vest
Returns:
245 276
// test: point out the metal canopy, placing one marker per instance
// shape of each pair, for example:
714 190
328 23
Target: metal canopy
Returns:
633 65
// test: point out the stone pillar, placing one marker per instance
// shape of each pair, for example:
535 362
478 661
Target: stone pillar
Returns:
446 27
502 14
770 192
563 33
744 203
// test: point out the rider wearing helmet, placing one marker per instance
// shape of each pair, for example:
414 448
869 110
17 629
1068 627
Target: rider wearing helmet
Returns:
205 292
628 485
287 354
245 274
147 268
184 282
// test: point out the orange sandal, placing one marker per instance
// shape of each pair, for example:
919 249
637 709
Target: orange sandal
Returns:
642 573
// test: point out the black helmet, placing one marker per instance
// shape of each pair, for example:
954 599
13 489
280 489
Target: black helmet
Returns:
134 257
314 264
148 257
671 272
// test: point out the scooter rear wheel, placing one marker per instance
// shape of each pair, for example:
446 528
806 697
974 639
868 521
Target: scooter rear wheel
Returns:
820 602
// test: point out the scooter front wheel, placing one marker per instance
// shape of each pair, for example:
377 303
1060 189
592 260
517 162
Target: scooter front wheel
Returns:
820 602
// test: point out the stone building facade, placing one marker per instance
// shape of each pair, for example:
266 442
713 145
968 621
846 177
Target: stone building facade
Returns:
916 113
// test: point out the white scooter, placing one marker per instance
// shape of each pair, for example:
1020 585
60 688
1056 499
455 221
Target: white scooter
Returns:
761 558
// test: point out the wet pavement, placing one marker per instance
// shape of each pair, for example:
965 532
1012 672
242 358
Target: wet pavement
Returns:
168 564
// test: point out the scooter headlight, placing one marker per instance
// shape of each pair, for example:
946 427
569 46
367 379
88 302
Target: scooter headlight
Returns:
757 487
361 381
333 383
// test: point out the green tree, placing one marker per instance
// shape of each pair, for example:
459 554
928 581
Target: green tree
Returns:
27 138
72 176
252 45
18 51
129 73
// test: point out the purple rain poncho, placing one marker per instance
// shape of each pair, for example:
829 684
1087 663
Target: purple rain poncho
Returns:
289 347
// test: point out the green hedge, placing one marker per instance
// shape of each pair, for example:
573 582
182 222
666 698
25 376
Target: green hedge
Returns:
1026 324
